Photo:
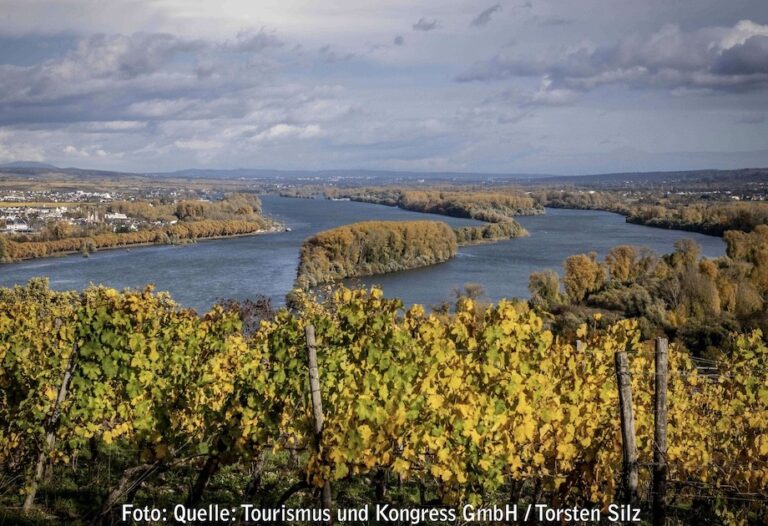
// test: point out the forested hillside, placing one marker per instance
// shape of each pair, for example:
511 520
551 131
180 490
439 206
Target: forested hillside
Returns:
373 247
113 397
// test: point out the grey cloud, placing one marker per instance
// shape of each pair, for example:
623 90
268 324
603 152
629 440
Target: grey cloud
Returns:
426 25
749 58
109 77
486 115
555 21
124 56
545 95
711 58
399 40
254 41
485 16
223 125
194 91
328 54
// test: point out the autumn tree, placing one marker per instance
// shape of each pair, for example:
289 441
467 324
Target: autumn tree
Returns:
700 294
751 248
473 291
373 247
544 287
621 262
61 230
748 300
5 254
583 275
687 253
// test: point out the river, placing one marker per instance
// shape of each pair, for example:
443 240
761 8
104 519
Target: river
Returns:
199 274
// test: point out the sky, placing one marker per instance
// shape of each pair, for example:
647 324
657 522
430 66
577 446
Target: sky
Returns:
507 86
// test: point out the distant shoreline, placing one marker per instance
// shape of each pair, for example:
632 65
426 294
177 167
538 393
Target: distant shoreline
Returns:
650 224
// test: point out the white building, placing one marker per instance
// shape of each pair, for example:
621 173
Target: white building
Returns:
19 226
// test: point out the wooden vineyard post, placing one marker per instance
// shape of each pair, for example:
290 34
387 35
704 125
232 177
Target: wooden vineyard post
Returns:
317 404
628 442
660 434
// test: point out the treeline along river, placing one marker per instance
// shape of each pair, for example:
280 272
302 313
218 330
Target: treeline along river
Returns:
197 275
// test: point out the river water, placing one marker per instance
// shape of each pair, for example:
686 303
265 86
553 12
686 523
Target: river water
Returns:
197 275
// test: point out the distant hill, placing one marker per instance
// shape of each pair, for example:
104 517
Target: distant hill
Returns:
45 171
256 173
699 178
29 164
632 179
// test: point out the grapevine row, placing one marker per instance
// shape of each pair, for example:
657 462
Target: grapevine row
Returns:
472 402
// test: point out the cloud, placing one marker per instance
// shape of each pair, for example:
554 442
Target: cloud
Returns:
289 131
137 76
328 54
521 102
251 41
714 58
555 21
198 144
426 25
162 84
549 95
92 151
14 151
121 56
747 58
742 32
485 16
113 126
490 114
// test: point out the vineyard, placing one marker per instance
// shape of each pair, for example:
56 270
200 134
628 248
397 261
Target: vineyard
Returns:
139 400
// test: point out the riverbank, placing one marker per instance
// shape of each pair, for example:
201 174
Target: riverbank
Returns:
160 242
694 217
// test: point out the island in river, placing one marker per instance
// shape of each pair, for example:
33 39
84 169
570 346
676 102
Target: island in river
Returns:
369 248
